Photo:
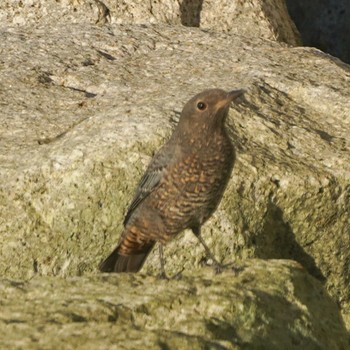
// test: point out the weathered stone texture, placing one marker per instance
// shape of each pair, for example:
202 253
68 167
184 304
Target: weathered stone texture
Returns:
268 305
85 105
267 19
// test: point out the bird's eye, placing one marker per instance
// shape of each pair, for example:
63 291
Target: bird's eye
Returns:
201 106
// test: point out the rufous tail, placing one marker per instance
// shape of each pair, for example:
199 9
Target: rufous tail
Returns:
128 256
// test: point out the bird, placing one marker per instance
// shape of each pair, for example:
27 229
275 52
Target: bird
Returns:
182 185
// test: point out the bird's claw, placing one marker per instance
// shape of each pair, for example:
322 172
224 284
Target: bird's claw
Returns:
162 276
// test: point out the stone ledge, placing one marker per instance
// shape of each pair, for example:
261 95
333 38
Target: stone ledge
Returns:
267 305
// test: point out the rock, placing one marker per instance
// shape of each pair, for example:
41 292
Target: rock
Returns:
267 305
267 19
84 107
323 24
264 19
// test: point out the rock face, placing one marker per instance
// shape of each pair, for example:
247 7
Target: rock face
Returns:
268 305
324 24
268 19
84 106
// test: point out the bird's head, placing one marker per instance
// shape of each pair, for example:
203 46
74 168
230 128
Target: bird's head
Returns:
207 110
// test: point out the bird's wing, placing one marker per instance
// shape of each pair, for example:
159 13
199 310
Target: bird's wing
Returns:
149 181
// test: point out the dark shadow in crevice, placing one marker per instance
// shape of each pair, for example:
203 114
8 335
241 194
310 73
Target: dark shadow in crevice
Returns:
323 24
277 241
191 12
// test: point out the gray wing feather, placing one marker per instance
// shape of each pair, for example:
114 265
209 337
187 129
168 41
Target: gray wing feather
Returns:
149 182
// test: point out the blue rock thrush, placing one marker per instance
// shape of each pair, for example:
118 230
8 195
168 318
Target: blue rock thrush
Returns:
182 185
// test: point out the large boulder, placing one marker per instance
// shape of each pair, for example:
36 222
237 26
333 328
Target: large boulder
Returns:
267 19
84 107
267 305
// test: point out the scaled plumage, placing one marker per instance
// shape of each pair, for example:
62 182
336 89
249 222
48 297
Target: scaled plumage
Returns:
183 183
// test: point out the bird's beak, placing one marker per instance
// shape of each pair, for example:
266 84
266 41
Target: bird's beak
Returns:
230 97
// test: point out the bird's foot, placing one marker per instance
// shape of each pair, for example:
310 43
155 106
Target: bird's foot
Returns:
178 275
219 268
214 264
236 269
162 276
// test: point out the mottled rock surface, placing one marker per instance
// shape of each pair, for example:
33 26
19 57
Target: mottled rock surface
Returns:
85 103
267 19
84 108
268 305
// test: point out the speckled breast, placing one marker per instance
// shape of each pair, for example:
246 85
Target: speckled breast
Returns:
192 188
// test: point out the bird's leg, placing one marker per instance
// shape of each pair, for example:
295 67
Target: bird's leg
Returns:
162 274
197 232
217 266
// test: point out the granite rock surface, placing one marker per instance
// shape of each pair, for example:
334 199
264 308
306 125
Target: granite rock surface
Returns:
267 305
85 103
